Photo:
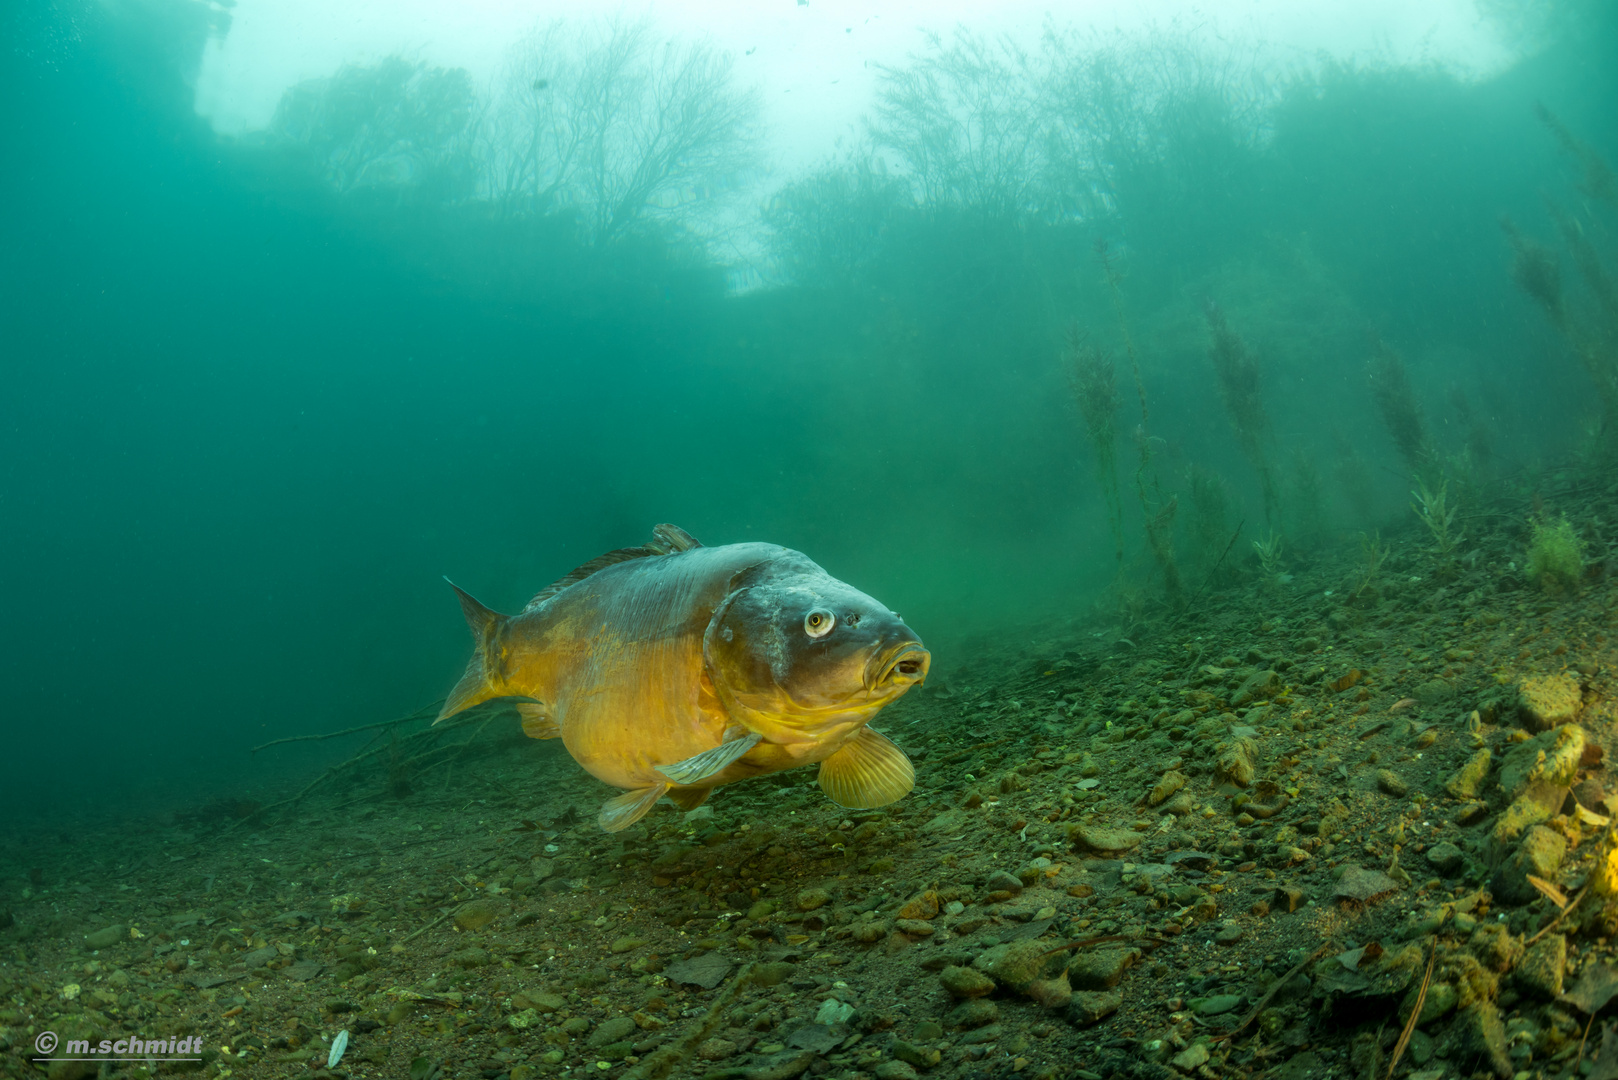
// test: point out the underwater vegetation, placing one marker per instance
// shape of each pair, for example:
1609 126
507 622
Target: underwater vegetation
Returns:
1433 508
1095 388
1555 555
1586 318
1238 373
1400 411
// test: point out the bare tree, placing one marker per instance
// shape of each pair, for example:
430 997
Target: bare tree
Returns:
964 116
616 124
395 123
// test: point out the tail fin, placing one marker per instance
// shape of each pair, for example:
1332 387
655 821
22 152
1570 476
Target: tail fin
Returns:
479 683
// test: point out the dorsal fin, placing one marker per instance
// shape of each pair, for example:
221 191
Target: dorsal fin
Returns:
666 539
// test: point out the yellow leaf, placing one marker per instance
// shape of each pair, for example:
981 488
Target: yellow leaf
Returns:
1552 893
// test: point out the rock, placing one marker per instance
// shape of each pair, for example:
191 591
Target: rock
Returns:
715 1049
1089 1007
1470 812
810 899
1466 781
259 957
1588 793
1446 858
106 937
619 1027
1236 763
1540 853
1441 1000
1261 685
964 982
972 1013
1015 965
914 927
1496 947
1213 1006
773 973
895 1070
761 910
547 1003
476 914
1192 1057
1551 757
1364 886
627 944
1390 783
1053 994
915 1055
706 971
1101 969
833 1012
1433 693
1229 933
924 906
1003 885
1106 840
473 957
1548 701
1543 966
1482 1033
869 933
948 822
1172 781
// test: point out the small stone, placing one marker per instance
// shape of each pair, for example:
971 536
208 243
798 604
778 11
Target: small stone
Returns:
1192 1057
964 982
1229 934
1107 840
1433 693
627 944
928 1030
1002 882
1053 994
1540 853
619 1027
1548 701
1172 781
895 1070
761 910
973 1013
476 914
1543 967
1390 783
833 1012
715 1049
105 938
473 957
1213 1006
1465 782
810 899
1259 686
547 1003
773 973
869 933
924 906
1446 858
1236 762
914 927
1014 965
1101 969
1588 793
1088 1007
1481 1032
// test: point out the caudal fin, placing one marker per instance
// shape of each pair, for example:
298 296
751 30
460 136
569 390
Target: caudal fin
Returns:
483 672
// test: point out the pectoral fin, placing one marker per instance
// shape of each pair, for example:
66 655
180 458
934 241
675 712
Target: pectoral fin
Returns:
690 798
868 771
710 762
536 721
630 807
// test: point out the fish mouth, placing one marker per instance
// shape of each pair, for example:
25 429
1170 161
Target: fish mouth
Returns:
902 665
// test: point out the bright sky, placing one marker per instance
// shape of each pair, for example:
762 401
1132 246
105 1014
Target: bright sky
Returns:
811 60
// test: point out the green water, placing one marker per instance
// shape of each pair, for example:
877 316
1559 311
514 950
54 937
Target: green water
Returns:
256 401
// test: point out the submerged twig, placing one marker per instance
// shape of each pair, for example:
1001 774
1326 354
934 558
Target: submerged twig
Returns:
1415 1013
1275 988
429 926
420 714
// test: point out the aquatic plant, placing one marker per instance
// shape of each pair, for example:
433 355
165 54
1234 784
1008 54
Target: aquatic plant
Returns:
1555 555
1588 321
1305 503
1210 509
1435 513
1238 374
1156 510
1401 414
1373 553
1095 387
1268 551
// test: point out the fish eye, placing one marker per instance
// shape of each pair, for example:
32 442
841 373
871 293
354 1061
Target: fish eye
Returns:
819 623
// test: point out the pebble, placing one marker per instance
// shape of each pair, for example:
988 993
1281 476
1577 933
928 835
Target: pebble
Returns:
614 1030
1192 1057
810 899
105 938
895 1070
1213 1006
1002 882
1548 701
914 927
1101 969
1542 967
1229 933
1088 1007
1446 858
475 914
1391 783
964 982
973 1013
